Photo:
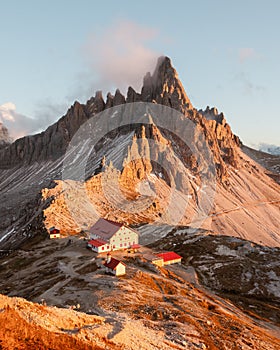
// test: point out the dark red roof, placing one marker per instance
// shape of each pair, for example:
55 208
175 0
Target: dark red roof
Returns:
54 230
113 263
97 242
114 223
105 228
168 256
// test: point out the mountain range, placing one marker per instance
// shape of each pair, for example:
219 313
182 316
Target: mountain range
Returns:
271 149
243 196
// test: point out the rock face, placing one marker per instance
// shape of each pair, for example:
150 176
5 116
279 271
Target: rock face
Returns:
136 159
227 141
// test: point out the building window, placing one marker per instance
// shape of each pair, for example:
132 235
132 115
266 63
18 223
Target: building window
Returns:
114 246
108 247
125 244
120 244
102 248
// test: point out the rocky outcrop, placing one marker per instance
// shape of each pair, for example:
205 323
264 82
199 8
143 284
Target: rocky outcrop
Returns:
132 96
227 143
164 87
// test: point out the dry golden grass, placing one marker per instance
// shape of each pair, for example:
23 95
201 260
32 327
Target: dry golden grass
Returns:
16 333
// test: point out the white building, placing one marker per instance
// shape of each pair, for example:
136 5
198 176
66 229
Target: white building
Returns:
108 235
114 266
98 245
54 232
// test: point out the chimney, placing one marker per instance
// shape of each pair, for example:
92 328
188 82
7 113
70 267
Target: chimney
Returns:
108 258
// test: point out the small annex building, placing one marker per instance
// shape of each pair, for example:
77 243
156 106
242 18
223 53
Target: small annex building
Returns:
98 245
107 235
114 266
170 258
54 232
156 260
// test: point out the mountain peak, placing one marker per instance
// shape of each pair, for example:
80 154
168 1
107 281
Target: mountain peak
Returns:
165 87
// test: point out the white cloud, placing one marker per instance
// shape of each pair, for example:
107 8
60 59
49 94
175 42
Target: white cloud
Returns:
20 125
17 124
120 56
7 111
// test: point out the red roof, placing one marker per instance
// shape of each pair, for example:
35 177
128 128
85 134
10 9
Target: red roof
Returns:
113 263
97 242
105 228
135 246
168 256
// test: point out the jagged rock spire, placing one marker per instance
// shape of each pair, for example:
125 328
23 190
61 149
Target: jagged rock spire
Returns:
164 86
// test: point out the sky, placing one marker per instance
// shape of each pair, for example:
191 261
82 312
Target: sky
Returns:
57 51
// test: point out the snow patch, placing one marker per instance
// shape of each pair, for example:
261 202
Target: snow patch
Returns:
273 286
6 235
114 114
224 250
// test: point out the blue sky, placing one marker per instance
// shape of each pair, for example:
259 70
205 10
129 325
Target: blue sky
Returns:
226 54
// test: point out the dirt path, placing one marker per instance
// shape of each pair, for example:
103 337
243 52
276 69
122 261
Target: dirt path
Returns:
239 207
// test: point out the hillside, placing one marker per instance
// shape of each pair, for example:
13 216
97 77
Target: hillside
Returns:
77 305
269 161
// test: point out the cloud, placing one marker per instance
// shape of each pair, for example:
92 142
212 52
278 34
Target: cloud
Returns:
247 53
118 57
6 111
17 124
121 56
47 112
20 125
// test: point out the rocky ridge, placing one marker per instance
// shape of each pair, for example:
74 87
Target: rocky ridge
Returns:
162 87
